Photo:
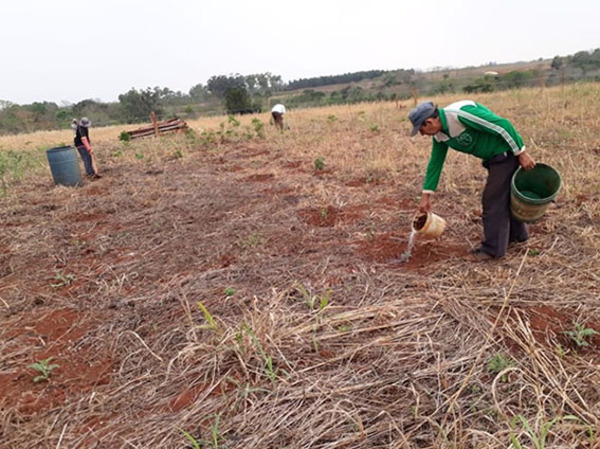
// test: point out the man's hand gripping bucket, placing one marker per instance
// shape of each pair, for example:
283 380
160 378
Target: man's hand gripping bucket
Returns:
429 225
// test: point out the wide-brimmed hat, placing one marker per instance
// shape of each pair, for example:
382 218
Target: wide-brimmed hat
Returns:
85 122
419 114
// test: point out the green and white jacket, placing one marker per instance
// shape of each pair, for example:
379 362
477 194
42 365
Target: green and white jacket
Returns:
471 128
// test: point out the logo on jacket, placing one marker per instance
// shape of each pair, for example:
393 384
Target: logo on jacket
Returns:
464 139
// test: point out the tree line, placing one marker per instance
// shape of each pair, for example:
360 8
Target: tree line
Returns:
238 94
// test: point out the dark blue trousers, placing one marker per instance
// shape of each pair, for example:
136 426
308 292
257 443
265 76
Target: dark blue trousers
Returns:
86 157
499 227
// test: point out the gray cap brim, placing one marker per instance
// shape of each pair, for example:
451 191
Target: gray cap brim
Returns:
415 130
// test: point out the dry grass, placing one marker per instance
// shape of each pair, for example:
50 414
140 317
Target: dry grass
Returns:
399 357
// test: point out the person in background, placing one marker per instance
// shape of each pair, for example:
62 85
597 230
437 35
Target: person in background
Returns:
277 113
74 124
84 146
471 128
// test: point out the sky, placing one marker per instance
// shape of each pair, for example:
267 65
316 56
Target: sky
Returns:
66 51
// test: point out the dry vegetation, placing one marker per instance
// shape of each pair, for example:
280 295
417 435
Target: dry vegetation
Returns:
219 286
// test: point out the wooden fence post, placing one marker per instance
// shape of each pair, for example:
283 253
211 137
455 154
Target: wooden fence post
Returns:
154 123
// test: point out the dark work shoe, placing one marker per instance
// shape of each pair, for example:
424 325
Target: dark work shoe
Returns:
517 241
480 255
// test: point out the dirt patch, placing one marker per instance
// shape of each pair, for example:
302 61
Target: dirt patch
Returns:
405 204
387 248
330 216
551 327
57 335
364 182
265 177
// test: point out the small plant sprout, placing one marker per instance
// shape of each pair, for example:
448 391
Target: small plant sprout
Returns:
311 300
45 368
249 242
124 136
259 127
193 441
405 256
233 121
216 438
211 323
271 372
63 279
499 363
229 291
580 335
319 163
538 440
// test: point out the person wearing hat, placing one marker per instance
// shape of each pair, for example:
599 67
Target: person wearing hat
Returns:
277 113
83 145
471 128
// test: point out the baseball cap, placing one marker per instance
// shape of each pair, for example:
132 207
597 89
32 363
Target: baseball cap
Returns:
419 114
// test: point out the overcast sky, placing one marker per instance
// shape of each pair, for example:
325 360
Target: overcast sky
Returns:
66 51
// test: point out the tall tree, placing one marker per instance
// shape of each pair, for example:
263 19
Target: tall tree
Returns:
137 105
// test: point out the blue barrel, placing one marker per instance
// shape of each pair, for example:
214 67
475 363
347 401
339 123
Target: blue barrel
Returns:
64 166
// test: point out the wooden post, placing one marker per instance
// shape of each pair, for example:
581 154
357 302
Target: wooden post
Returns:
154 123
415 93
542 77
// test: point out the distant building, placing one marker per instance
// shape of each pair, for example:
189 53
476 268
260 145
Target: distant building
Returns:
491 73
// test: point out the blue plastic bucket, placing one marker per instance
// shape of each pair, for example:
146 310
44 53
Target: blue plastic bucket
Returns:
64 166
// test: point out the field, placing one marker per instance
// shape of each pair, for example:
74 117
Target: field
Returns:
236 288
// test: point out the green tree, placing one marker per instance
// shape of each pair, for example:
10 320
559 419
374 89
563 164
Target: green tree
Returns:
557 63
198 93
137 105
219 85
238 100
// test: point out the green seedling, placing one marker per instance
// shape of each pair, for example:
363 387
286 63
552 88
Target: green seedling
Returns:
539 441
63 279
214 442
499 363
259 127
193 441
405 256
45 368
533 253
233 121
580 335
229 291
319 163
211 323
311 300
249 242
270 370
